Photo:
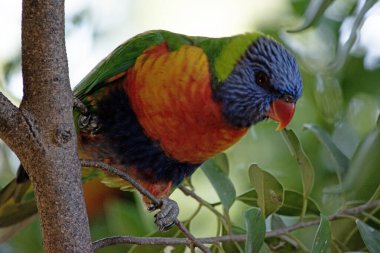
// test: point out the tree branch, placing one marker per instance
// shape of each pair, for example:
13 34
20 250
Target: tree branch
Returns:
13 128
236 238
45 116
110 169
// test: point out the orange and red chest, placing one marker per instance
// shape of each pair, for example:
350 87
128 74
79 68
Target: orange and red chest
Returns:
171 95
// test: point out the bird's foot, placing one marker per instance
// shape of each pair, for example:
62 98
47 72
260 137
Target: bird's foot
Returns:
80 106
89 123
167 215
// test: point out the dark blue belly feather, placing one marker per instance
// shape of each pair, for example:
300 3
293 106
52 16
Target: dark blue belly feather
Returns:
131 146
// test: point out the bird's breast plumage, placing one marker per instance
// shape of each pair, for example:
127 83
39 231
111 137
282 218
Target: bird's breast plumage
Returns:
171 95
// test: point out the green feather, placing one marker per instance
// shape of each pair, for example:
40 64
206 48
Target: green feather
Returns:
121 59
175 40
232 52
224 53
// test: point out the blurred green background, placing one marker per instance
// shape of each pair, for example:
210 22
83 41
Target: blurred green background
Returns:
339 56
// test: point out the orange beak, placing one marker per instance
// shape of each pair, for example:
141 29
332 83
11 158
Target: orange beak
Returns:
282 112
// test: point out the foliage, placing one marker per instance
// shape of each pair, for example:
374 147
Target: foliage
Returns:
328 162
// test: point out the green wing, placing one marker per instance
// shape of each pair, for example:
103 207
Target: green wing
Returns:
124 57
121 59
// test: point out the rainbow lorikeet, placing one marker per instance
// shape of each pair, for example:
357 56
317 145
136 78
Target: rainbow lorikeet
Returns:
162 103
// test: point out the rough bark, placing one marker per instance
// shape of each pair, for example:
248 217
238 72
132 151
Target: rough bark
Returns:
41 131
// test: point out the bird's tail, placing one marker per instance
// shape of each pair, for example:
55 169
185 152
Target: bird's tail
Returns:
17 205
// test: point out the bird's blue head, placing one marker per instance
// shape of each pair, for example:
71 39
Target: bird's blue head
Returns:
265 83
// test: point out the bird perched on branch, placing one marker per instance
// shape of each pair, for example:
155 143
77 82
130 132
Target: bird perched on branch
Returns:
162 103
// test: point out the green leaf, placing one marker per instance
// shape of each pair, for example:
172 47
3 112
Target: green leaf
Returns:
255 226
120 221
231 246
276 222
27 238
215 170
307 170
322 238
270 193
17 212
221 161
121 59
363 176
313 13
14 192
291 206
342 162
214 248
249 198
265 249
370 236
375 195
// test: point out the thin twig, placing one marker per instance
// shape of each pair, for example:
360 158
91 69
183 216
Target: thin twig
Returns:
351 212
371 217
359 209
160 240
355 229
203 202
237 238
122 174
196 212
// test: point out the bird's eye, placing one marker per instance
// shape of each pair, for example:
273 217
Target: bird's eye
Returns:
288 98
262 79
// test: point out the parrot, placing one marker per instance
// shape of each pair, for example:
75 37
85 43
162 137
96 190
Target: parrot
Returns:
163 103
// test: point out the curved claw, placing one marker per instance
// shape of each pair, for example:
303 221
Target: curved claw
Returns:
152 207
167 215
89 123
